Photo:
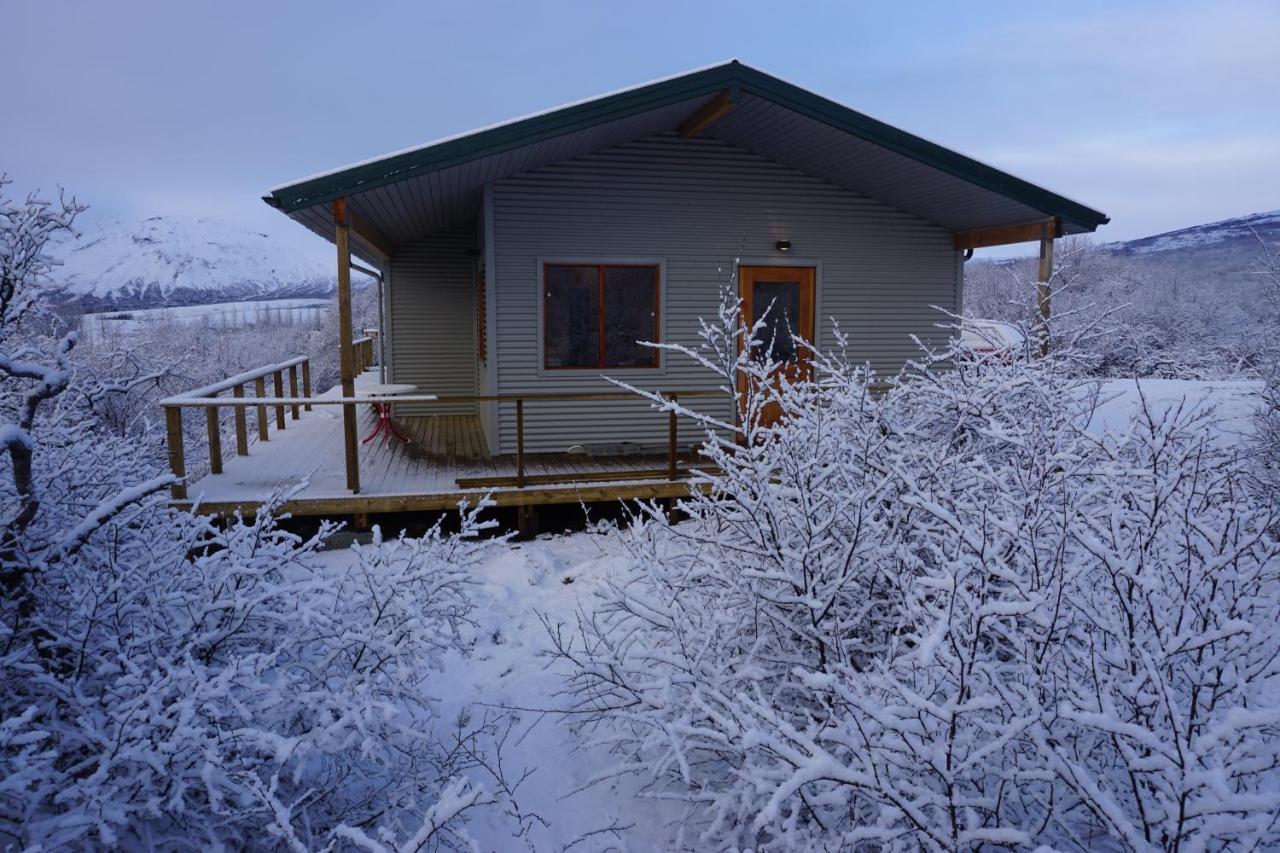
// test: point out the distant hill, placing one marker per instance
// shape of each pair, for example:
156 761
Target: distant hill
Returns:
1225 252
1221 253
175 260
1227 234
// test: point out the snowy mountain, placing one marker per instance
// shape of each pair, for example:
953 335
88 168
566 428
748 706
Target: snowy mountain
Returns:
1227 235
176 260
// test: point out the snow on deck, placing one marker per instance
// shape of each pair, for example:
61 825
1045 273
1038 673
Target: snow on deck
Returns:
311 449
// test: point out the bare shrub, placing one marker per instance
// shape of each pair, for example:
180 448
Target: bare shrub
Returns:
943 615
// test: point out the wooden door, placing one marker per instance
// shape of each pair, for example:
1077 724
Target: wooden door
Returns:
784 297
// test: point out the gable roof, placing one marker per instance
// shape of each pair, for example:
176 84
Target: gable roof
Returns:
436 186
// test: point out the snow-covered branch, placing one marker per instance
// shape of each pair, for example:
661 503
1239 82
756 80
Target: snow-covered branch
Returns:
936 612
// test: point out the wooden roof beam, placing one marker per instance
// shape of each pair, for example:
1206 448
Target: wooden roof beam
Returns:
1003 235
367 234
709 113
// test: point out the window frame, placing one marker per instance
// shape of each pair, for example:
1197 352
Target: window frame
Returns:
601 265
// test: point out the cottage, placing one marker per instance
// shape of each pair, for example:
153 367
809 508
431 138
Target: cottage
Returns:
522 263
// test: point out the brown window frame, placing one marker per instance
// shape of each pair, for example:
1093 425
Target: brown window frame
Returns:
602 360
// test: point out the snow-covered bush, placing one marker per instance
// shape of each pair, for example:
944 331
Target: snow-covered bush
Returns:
158 359
1267 421
1134 315
940 614
179 682
1267 431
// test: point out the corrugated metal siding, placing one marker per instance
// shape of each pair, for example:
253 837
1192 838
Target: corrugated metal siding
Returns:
431 306
699 204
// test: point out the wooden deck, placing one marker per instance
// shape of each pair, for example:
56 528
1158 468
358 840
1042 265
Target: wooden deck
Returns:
444 437
420 475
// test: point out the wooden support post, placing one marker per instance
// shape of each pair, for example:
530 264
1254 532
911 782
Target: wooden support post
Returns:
346 357
242 429
278 379
294 411
1043 292
306 382
520 442
177 456
260 388
671 442
525 522
215 440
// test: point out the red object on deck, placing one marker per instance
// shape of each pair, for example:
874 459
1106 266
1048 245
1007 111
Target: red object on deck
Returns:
385 426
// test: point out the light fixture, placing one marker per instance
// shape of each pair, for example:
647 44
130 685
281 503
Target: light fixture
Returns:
783 246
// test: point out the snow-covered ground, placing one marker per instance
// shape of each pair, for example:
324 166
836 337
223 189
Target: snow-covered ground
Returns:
551 577
222 315
1231 402
507 673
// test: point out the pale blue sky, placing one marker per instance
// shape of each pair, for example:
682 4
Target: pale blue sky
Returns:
1161 114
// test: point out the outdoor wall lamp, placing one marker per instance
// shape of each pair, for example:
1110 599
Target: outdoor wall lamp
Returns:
783 246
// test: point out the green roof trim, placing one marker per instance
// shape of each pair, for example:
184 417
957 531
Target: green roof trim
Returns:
544 126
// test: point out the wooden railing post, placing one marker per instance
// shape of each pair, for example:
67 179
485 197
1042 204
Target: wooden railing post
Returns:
242 429
260 388
177 456
520 442
278 383
215 440
306 382
293 391
671 442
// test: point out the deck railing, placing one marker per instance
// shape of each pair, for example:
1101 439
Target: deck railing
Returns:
364 353
208 398
297 398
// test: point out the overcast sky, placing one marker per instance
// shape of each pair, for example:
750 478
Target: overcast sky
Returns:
1161 114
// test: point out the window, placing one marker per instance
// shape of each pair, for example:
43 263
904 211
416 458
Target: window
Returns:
597 315
781 299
